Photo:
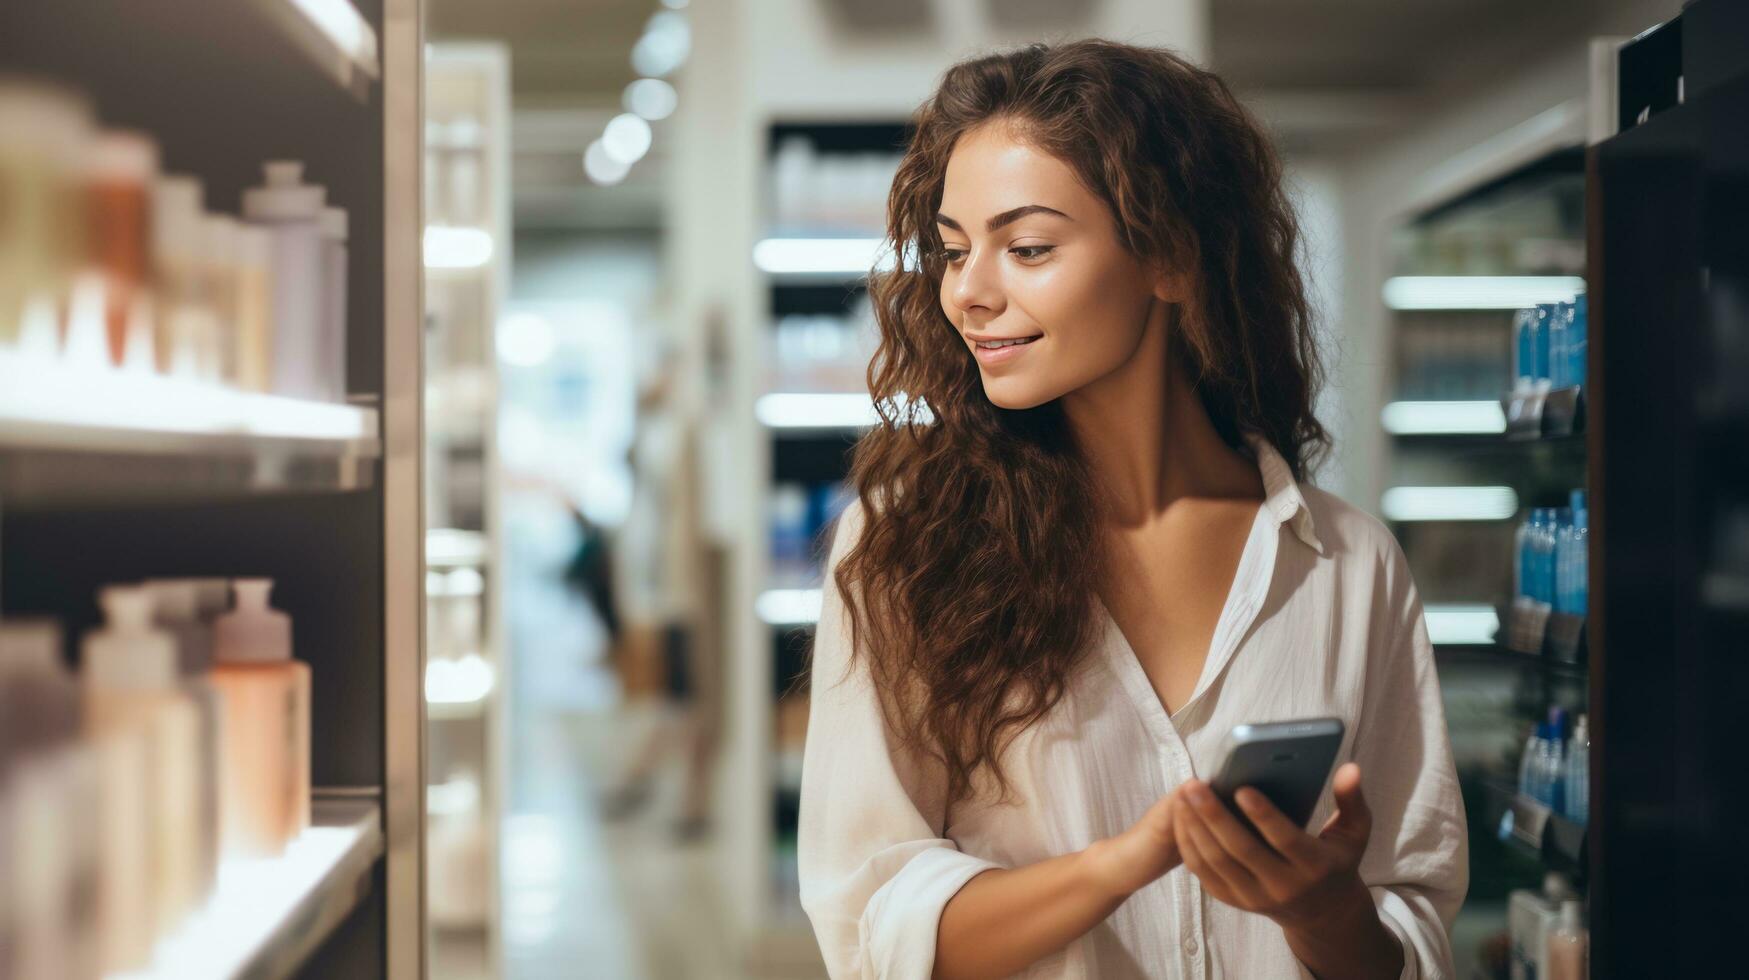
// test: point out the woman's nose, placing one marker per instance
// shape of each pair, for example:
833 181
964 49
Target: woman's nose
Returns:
979 285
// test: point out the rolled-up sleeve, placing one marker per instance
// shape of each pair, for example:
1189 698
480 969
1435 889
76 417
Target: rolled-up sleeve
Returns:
876 869
1417 862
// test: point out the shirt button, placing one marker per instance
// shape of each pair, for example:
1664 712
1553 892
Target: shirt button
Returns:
1190 946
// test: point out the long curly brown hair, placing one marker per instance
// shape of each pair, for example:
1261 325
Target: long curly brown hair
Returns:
970 589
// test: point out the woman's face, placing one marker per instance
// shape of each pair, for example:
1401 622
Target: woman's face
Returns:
1041 290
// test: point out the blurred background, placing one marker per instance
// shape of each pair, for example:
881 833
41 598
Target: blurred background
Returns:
606 358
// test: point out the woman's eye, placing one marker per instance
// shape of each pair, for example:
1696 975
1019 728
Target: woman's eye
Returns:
952 255
1028 252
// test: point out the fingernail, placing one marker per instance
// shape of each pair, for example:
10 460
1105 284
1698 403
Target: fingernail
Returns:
1200 794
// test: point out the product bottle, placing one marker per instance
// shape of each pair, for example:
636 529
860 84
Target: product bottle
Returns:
1569 945
48 811
1578 361
1523 358
1554 770
1530 764
254 328
119 174
1579 553
334 260
178 251
133 698
178 609
292 211
42 131
1530 916
218 351
1539 341
1579 772
1521 539
1558 346
266 726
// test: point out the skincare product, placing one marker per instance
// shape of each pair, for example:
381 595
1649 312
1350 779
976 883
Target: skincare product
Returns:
266 725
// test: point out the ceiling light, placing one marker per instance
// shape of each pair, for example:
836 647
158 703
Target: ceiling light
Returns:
651 98
666 42
602 167
626 138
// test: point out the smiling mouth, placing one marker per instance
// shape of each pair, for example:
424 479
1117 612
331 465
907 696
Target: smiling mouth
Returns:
999 344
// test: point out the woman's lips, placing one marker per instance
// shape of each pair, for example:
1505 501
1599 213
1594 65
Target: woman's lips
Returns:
1003 354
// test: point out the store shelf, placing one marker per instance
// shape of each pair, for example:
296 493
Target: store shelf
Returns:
68 434
50 406
334 35
1531 825
267 916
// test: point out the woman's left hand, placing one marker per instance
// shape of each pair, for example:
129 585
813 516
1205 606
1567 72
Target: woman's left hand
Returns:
1309 885
1288 875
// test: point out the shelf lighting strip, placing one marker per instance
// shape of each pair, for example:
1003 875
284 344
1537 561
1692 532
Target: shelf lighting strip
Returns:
1449 503
1478 292
788 607
821 256
1461 625
1443 418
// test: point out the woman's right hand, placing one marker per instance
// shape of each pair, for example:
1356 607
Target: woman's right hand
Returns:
1148 849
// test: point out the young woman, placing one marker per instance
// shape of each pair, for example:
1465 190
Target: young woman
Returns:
1082 553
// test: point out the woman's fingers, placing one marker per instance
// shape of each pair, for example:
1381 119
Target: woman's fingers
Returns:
1289 841
1234 838
1352 821
1218 863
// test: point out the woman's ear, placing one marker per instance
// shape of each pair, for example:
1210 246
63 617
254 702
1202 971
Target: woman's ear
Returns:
1171 284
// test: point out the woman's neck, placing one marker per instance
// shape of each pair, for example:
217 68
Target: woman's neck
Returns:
1148 440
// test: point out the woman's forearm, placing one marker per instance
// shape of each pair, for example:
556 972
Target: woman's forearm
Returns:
1005 920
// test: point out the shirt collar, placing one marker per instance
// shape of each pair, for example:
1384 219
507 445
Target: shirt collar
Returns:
1281 495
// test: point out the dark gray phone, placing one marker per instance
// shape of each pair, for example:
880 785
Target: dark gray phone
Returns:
1287 761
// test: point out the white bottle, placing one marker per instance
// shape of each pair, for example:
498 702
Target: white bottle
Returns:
1579 772
334 259
133 688
292 211
48 811
178 252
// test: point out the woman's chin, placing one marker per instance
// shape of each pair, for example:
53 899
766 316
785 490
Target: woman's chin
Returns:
1014 394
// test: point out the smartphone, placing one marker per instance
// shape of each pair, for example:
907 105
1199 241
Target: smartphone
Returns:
1287 761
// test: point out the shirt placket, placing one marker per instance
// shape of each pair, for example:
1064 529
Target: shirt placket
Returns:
1186 890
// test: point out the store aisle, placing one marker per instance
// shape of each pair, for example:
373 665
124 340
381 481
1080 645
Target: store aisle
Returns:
584 897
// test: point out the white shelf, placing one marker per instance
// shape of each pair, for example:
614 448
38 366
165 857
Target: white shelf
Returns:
334 35
267 916
54 407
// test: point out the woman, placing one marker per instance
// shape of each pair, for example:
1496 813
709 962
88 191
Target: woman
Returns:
1062 587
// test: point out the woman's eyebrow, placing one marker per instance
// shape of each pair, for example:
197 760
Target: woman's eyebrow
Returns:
1007 217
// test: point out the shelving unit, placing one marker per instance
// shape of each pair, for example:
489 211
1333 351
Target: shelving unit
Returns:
108 477
1671 538
467 243
1466 458
825 184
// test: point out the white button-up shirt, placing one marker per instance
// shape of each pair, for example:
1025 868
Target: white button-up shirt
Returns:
1322 620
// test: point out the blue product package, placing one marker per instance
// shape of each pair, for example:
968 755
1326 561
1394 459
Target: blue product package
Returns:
1577 360
1558 318
1523 360
1539 344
